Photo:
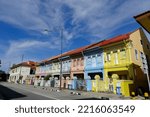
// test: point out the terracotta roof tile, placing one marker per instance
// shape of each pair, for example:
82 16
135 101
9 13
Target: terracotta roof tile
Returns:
113 40
27 63
101 43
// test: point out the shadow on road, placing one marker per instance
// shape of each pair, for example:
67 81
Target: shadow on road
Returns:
93 98
8 94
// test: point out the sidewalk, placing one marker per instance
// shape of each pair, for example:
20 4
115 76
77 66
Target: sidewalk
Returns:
99 95
57 94
66 94
90 94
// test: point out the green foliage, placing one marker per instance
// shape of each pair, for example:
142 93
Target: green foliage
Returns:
47 77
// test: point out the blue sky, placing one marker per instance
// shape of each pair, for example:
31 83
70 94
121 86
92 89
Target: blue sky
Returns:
22 25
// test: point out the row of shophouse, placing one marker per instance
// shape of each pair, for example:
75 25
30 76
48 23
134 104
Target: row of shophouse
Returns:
120 65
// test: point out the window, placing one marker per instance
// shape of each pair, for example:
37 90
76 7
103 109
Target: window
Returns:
147 59
108 57
147 47
89 60
69 63
136 54
50 67
82 61
93 61
57 65
93 56
141 42
142 55
99 58
63 65
145 70
74 63
122 53
78 62
115 57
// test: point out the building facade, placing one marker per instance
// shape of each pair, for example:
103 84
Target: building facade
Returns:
93 65
140 52
77 72
125 62
119 65
22 73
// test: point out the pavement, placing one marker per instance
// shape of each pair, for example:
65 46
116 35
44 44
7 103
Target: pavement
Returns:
14 93
65 94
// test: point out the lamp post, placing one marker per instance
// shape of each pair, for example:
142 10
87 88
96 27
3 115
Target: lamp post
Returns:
20 76
61 48
0 63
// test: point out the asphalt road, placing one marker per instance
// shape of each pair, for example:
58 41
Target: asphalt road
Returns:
12 93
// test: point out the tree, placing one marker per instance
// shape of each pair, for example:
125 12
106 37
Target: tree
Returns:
47 77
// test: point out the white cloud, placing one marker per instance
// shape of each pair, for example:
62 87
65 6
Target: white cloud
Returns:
30 14
98 18
103 17
27 47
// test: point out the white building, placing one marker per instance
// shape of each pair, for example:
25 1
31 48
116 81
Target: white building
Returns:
23 72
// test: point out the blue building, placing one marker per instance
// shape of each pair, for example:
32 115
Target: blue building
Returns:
93 65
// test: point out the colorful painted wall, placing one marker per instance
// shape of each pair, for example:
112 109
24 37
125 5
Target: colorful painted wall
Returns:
140 52
92 68
93 65
77 72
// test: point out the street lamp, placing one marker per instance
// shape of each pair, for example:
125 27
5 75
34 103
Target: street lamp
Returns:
0 63
20 76
61 48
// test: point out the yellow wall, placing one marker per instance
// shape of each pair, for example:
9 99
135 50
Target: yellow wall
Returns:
122 61
136 38
136 44
98 85
129 63
126 87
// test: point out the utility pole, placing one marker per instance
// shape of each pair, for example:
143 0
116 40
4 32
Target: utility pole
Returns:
61 51
22 57
61 48
0 63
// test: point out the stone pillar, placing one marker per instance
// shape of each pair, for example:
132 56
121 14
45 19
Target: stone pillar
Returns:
42 82
89 83
97 78
74 83
115 77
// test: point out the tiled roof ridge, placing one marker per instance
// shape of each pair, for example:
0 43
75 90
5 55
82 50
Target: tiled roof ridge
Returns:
100 43
25 63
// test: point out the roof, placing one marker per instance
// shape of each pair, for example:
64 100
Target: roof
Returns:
81 49
27 64
144 20
113 40
142 14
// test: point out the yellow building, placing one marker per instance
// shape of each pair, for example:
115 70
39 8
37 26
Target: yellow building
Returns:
140 55
125 65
